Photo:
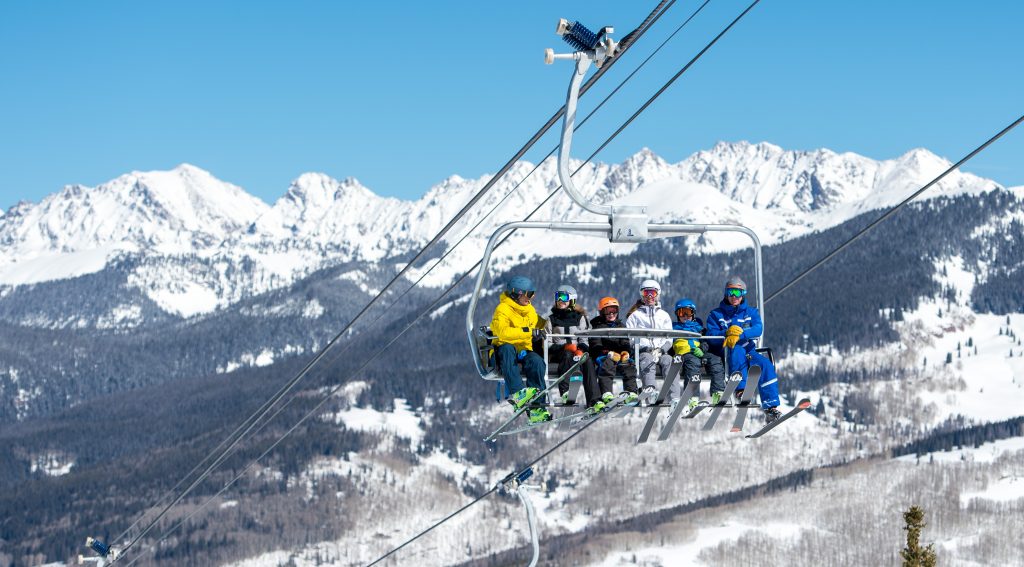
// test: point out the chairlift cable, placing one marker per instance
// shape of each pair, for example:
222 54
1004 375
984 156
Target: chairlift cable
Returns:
893 210
549 154
247 425
772 296
505 239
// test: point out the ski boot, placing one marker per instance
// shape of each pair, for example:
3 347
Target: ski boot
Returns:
771 415
539 415
715 398
565 399
607 397
595 409
692 403
522 397
648 396
629 397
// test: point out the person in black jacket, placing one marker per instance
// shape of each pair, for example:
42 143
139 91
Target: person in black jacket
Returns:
611 355
567 318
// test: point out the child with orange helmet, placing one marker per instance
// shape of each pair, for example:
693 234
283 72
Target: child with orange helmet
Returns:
611 355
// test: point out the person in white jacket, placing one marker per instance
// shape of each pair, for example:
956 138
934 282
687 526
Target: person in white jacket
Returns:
648 314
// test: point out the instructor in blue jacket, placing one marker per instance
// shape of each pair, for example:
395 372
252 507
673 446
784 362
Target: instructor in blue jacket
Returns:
740 324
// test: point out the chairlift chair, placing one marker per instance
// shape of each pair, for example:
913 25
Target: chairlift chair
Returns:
623 223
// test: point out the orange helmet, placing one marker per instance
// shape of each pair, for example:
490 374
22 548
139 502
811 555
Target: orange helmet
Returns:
607 302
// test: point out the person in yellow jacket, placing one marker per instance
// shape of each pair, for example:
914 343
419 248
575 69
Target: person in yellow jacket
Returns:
515 325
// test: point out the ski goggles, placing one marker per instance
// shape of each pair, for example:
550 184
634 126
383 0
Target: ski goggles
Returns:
649 292
528 294
562 296
684 312
735 292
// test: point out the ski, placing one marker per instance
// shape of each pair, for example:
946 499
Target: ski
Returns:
747 400
801 406
730 388
529 404
627 408
568 412
700 407
692 389
561 420
587 416
575 381
666 386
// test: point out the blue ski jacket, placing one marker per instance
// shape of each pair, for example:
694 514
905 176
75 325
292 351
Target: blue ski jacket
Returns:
744 316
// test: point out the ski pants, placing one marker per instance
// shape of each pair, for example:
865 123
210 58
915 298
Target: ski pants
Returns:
564 362
740 360
532 364
689 375
608 370
715 368
648 371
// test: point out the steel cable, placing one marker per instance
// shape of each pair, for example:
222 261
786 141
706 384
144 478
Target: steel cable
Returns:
247 425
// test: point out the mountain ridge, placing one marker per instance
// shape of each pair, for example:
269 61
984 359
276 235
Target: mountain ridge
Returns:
187 218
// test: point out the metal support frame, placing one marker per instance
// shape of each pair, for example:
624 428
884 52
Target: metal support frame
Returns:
657 230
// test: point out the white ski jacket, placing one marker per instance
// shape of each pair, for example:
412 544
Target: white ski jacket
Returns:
650 317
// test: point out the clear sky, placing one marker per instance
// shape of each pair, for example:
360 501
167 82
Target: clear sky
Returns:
403 94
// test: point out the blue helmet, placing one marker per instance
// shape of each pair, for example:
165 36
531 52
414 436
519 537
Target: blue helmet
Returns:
686 303
519 284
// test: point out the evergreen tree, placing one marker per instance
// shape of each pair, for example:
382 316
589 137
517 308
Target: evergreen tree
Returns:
914 555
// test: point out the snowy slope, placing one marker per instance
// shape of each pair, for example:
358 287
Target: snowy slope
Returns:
205 244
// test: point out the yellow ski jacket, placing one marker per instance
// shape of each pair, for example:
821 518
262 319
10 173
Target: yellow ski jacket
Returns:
508 323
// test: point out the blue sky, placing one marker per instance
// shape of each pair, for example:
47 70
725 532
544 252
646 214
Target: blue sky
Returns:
402 95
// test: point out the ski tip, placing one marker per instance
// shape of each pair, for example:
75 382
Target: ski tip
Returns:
804 403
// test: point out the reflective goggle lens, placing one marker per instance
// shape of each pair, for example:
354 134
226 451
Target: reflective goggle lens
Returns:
649 292
561 296
684 312
530 294
735 292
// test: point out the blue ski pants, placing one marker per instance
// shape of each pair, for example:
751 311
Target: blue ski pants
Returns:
532 365
740 360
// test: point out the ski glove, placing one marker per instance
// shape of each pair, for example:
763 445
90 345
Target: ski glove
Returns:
698 352
625 356
732 336
539 334
614 356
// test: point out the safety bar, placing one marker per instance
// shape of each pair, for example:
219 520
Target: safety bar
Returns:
660 230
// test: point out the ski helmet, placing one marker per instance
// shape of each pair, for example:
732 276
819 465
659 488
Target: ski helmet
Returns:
649 284
734 282
686 303
568 292
607 302
519 284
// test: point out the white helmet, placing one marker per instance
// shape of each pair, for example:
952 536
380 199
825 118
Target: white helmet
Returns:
649 284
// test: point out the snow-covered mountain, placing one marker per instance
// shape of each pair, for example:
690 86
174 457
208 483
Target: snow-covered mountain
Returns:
201 244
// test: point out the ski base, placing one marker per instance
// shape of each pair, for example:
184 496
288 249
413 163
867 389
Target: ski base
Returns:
801 406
